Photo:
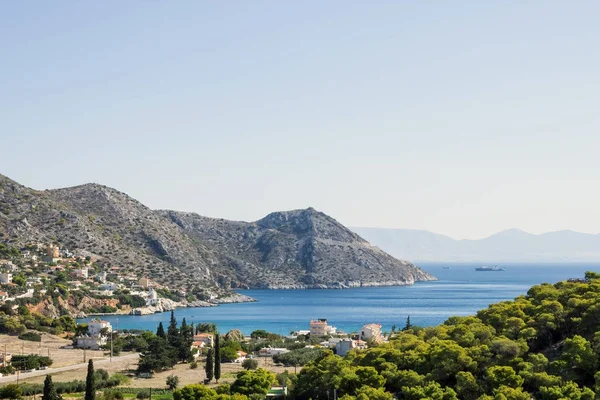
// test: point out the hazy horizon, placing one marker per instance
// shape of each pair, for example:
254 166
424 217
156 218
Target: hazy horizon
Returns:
463 119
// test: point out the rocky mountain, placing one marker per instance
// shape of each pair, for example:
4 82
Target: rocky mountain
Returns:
293 249
512 245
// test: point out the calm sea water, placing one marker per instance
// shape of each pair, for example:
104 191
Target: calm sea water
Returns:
460 291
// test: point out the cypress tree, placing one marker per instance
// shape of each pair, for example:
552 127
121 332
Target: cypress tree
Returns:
49 390
217 358
90 384
185 342
173 332
160 332
210 365
408 324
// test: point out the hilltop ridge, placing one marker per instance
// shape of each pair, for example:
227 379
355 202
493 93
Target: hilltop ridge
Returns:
288 249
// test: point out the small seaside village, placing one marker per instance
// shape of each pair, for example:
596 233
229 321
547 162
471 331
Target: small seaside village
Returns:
41 279
46 265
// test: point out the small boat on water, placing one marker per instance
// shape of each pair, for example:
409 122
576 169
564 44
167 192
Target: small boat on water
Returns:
445 267
487 268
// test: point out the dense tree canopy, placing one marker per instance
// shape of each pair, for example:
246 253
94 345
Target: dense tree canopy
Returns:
544 345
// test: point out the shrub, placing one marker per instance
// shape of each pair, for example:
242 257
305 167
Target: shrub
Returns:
250 363
31 336
172 381
7 370
143 394
193 365
10 391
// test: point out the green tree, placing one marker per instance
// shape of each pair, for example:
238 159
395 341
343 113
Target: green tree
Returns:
509 393
185 342
157 358
10 391
250 363
408 325
172 382
259 334
210 364
569 390
466 386
432 390
90 383
578 360
217 358
498 376
253 382
160 331
173 332
195 392
49 392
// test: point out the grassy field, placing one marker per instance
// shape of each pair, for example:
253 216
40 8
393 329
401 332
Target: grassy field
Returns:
49 346
77 396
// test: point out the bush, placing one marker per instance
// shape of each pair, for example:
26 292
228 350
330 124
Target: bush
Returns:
250 363
143 394
7 370
172 381
112 395
193 365
10 391
31 336
122 379
223 388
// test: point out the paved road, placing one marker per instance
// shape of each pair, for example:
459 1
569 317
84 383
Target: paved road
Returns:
12 378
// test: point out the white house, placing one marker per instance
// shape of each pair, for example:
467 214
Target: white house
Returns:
94 339
95 326
318 327
371 331
271 351
6 278
344 346
81 273
91 342
109 286
152 298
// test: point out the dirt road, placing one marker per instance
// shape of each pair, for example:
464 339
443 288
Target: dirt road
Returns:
97 363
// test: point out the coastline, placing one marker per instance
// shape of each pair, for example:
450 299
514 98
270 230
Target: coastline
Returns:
341 285
165 305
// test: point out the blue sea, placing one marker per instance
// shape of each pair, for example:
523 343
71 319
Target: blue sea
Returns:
460 290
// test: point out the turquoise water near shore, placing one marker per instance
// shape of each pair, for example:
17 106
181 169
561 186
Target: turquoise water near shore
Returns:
460 290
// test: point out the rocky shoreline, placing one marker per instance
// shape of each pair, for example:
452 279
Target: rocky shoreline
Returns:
343 285
165 305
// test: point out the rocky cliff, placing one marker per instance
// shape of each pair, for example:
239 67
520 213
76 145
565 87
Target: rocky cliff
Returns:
293 249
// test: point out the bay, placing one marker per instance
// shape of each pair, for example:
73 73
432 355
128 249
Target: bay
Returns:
460 291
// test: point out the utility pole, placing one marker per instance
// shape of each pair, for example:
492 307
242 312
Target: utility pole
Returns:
111 345
84 354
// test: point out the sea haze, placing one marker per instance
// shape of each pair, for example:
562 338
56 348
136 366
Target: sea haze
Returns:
460 291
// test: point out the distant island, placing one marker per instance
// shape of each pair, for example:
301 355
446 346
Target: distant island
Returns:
511 245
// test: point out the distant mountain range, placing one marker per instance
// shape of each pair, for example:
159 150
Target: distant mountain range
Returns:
288 249
511 245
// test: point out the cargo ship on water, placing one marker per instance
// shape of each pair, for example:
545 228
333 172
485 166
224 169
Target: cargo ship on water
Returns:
486 268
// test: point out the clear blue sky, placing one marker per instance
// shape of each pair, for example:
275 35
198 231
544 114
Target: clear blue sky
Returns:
463 118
